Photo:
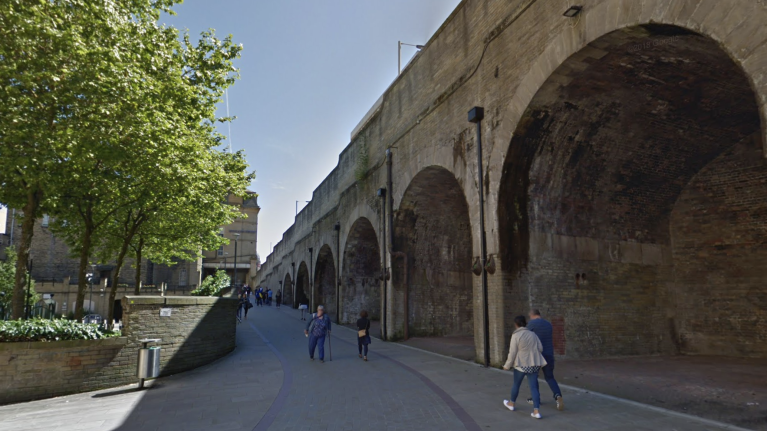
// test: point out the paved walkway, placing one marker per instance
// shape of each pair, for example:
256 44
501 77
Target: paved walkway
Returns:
269 383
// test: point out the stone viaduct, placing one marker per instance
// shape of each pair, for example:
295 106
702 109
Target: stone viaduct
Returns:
624 179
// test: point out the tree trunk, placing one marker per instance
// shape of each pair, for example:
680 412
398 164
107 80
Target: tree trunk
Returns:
82 283
34 197
138 265
113 291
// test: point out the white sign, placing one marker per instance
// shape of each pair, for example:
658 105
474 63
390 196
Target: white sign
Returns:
165 312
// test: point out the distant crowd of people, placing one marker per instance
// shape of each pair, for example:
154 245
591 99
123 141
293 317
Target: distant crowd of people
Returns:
263 297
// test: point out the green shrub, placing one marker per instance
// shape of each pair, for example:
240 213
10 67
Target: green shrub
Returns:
212 284
51 330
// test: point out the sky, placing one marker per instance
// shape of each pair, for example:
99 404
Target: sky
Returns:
310 70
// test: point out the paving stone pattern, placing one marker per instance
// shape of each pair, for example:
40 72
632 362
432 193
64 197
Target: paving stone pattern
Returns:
395 392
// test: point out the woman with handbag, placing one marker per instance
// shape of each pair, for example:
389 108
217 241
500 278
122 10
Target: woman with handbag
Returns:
363 334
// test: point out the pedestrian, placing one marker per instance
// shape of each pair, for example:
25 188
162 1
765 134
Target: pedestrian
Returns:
278 298
316 329
242 305
363 335
258 296
269 297
525 357
248 290
545 332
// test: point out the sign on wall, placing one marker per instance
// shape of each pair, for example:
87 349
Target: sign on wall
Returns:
165 312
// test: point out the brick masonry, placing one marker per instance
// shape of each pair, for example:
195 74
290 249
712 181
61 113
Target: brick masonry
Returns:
199 331
610 149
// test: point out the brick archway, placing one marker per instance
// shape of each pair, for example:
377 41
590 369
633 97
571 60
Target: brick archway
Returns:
360 282
287 289
325 280
632 203
432 228
303 287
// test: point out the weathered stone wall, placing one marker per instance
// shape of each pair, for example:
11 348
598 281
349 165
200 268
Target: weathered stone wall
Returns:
198 331
719 233
594 129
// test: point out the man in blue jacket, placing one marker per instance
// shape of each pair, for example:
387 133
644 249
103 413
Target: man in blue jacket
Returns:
545 332
316 329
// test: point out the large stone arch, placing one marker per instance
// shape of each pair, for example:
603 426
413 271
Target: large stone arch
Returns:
325 280
624 167
287 289
303 286
360 280
432 228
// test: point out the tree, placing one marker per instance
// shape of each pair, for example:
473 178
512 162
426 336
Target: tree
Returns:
64 65
105 109
7 280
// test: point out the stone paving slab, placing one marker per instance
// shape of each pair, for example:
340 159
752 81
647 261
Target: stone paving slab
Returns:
400 388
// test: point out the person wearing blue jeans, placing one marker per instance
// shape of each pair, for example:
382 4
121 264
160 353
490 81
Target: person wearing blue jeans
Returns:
545 332
525 357
316 329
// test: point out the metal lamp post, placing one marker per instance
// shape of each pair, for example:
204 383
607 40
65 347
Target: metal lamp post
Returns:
29 290
2 305
399 54
93 275
234 276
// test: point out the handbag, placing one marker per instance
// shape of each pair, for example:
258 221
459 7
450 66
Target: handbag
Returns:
361 333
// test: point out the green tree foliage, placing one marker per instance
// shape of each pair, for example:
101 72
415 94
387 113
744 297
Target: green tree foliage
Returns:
7 278
108 125
213 284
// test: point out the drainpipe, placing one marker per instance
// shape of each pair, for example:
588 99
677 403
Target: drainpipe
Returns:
382 194
390 244
337 228
293 284
311 277
475 116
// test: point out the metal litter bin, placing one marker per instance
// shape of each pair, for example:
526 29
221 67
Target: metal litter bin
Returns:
148 361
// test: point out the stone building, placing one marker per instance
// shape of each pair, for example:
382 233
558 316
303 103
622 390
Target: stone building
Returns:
624 177
56 270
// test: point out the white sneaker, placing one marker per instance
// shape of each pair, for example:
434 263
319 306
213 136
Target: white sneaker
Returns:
508 406
535 415
560 403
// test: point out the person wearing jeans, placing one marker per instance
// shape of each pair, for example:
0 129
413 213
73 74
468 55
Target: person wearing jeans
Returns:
545 332
525 357
316 329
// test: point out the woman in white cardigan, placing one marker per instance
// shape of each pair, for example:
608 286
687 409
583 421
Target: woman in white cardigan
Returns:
525 357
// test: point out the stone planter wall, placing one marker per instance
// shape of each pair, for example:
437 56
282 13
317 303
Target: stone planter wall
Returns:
198 331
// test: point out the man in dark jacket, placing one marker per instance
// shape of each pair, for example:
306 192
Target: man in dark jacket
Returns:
545 332
316 329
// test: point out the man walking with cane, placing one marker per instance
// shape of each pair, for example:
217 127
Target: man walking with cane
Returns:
316 329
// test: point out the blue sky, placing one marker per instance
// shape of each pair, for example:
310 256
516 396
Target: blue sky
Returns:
310 70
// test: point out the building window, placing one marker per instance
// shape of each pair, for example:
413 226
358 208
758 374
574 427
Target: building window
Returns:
182 276
221 251
46 220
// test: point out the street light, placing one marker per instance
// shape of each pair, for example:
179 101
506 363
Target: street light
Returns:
234 276
399 54
93 274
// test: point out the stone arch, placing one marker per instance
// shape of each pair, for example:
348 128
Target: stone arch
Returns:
613 206
287 289
325 280
433 229
360 280
303 286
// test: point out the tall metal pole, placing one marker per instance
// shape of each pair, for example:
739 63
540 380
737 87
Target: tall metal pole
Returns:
234 276
29 289
475 116
311 276
337 228
399 57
